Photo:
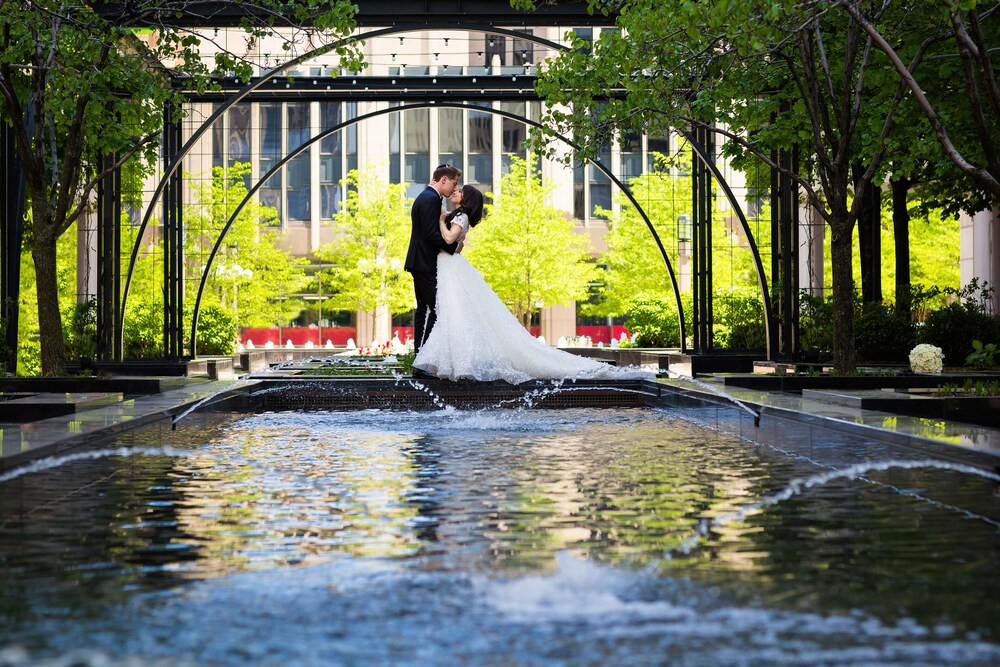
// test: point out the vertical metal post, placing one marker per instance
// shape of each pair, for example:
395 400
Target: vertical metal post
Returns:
12 191
701 243
173 243
109 210
784 342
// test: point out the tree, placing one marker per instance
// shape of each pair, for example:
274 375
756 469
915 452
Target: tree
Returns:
764 75
526 249
372 231
632 268
961 26
251 269
81 81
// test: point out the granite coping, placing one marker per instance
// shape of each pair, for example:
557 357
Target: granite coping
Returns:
21 443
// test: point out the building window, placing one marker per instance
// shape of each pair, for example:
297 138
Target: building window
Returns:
330 161
395 136
451 138
657 153
480 172
416 150
600 185
299 171
631 156
270 155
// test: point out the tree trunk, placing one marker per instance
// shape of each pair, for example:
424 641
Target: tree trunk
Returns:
43 252
842 255
901 238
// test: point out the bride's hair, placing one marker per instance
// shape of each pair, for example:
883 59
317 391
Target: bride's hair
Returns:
472 206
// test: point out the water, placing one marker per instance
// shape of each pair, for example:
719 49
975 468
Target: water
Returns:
504 537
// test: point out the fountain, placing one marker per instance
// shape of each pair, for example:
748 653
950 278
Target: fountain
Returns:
525 537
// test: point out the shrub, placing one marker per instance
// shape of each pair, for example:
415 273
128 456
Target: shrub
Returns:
80 330
816 324
880 335
982 356
217 331
739 321
954 327
143 331
654 322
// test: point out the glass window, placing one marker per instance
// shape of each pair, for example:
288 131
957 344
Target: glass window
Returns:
270 154
631 156
240 144
480 171
522 50
416 150
299 169
395 175
351 148
512 134
218 139
330 163
451 137
579 191
495 48
657 145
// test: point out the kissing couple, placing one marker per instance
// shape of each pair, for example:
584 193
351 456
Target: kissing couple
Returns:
462 331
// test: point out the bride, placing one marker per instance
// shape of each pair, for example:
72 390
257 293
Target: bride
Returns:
476 337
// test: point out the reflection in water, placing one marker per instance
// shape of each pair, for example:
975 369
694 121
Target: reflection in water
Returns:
418 520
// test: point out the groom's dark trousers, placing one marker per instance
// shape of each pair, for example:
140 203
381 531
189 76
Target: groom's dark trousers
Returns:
425 289
421 260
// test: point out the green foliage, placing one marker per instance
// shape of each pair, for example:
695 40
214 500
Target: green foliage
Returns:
934 250
816 324
881 335
526 249
81 330
251 273
97 87
653 322
143 330
366 258
633 266
954 327
738 318
982 356
971 387
217 330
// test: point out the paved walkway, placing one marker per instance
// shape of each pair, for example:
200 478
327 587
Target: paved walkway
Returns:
23 442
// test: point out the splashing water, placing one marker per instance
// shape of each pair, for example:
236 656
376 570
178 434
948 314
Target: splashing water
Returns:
797 486
420 386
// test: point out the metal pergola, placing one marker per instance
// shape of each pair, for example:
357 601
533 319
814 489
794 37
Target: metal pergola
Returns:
377 18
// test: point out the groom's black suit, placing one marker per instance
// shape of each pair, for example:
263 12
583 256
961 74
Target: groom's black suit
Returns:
421 259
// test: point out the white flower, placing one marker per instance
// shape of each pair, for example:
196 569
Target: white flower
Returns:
926 359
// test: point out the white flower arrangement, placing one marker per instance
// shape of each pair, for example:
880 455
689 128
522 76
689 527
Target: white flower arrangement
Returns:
926 359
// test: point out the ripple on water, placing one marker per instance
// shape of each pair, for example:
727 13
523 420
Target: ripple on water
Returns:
532 537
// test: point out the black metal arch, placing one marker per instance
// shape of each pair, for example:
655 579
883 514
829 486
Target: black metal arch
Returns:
765 295
177 157
170 175
380 112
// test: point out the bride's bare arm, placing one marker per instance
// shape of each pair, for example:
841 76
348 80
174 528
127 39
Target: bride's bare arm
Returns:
449 235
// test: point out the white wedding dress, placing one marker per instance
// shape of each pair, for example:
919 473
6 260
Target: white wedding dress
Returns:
475 336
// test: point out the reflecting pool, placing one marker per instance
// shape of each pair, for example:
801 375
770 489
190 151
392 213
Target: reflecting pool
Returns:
505 537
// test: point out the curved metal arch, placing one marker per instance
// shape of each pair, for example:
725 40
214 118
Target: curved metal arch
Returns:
765 294
251 87
379 112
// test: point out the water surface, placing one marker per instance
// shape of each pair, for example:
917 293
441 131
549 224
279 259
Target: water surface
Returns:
494 538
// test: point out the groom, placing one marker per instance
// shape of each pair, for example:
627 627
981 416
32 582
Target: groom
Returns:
425 243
